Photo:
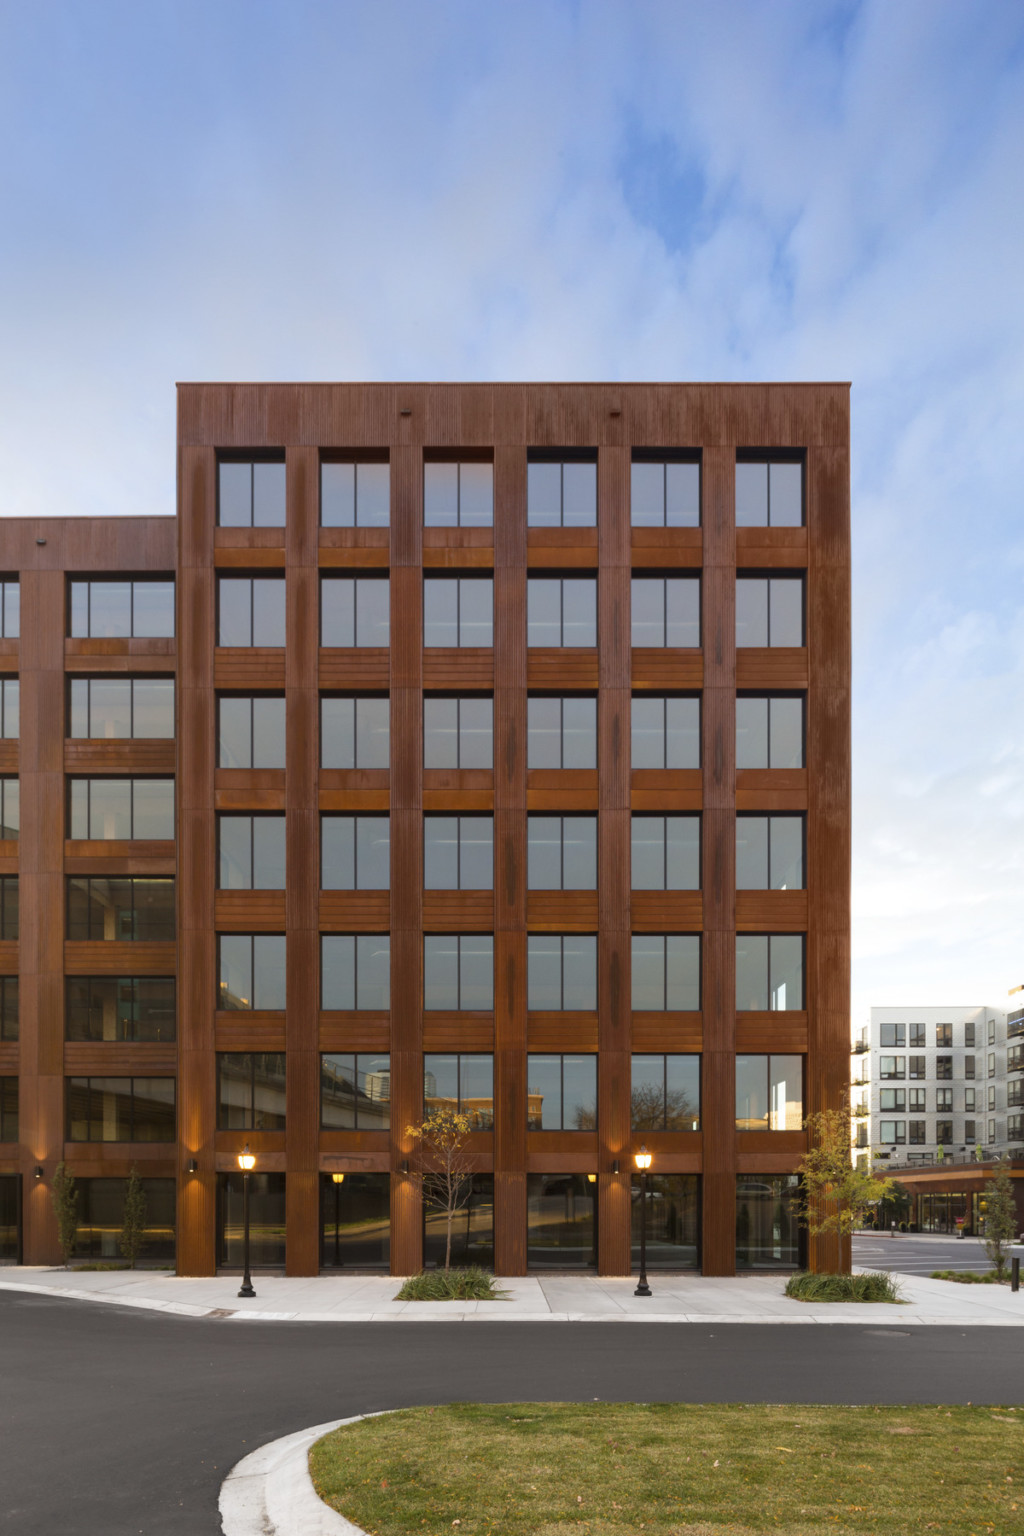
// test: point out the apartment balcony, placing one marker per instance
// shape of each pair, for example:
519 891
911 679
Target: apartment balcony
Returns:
860 1046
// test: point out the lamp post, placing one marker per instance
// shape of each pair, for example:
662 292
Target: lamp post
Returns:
337 1179
247 1162
643 1162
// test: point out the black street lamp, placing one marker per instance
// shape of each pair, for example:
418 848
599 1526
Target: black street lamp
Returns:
643 1162
247 1162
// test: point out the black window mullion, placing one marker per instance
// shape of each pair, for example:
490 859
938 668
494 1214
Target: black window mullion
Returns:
458 853
458 611
664 970
664 1093
561 1092
561 973
458 1082
664 495
458 972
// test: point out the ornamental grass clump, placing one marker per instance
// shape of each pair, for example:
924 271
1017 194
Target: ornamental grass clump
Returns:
872 1287
472 1284
969 1277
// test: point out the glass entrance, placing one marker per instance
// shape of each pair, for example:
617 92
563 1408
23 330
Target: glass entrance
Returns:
355 1221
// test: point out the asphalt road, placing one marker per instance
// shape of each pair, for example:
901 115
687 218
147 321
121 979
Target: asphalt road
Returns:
918 1253
122 1423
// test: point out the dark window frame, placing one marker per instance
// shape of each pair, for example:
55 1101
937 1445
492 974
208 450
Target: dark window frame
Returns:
249 1114
250 699
458 698
458 817
130 1037
252 817
458 463
253 1007
355 1126
562 819
562 457
455 579
10 687
354 699
561 937
663 699
357 460
10 805
10 907
664 937
10 624
664 577
562 1127
768 577
131 1078
663 457
134 880
247 576
329 578
560 700
122 778
770 698
10 1117
355 937
769 457
665 1055
131 681
562 577
355 817
151 579
10 1008
664 818
459 1097
250 459
458 937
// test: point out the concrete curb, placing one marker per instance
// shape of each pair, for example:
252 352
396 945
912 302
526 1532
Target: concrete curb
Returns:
270 1491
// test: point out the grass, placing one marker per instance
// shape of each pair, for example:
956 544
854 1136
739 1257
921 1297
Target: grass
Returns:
472 1284
970 1277
873 1287
671 1469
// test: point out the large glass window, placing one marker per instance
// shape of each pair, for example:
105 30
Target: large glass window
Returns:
664 492
665 1093
892 1132
462 1082
252 853
122 808
9 988
10 609
665 853
673 1221
665 972
458 971
458 733
458 494
250 1090
665 611
561 610
10 699
120 1108
355 494
768 1230
101 1215
665 732
102 609
894 1100
250 610
769 493
10 809
769 853
9 1109
561 853
250 731
769 971
769 1093
118 707
355 611
890 1067
355 1230
561 491
355 1091
251 971
355 971
769 610
355 853
9 923
561 1093
458 610
472 1235
769 731
119 1008
266 1220
458 853
251 493
355 732
561 1221
894 1035
561 732
121 908
561 972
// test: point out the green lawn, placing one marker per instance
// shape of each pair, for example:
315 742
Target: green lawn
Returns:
669 1469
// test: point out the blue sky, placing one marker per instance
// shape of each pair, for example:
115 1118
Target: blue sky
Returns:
580 190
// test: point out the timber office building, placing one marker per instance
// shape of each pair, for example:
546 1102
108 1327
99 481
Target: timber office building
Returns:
475 744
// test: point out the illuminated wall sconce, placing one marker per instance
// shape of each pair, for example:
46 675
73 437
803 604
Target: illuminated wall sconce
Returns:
405 1165
37 1171
615 1165
193 1166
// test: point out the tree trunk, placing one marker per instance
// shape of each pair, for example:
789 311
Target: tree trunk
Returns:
448 1242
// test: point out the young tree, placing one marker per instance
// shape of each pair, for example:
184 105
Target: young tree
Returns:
444 1165
1000 1217
133 1217
64 1194
836 1196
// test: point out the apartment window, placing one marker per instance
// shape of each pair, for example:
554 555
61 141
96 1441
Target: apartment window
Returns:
458 853
769 971
10 695
561 490
991 1133
992 1097
561 611
665 853
9 1109
355 853
944 1068
116 708
252 853
250 731
10 610
458 972
770 854
769 731
917 1035
665 611
944 1132
102 609
561 853
665 732
561 732
355 732
121 1009
944 1099
9 907
561 972
665 1093
892 1067
250 610
944 1035
561 1093
893 1099
355 1092
969 1035
120 1108
970 1063
991 1031
769 1093
665 972
458 732
458 494
251 971
769 493
970 1130
250 1091
918 1100
892 1034
915 1066
121 908
251 493
918 1132
355 971
355 611
9 1007
458 610
769 610
10 808
462 1083
127 809
893 1132
969 1100
355 495
664 490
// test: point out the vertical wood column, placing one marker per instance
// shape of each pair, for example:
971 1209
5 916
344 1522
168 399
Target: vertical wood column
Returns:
406 849
302 1121
510 1040
718 1090
614 987
197 851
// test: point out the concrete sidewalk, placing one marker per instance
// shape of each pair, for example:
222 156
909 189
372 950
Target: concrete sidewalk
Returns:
535 1298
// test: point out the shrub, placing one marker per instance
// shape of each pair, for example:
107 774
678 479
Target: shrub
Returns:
967 1277
872 1287
473 1284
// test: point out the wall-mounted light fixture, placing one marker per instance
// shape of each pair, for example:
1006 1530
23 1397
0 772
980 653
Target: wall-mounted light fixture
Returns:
193 1166
337 1178
405 412
615 1165
591 1178
405 1165
37 1171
